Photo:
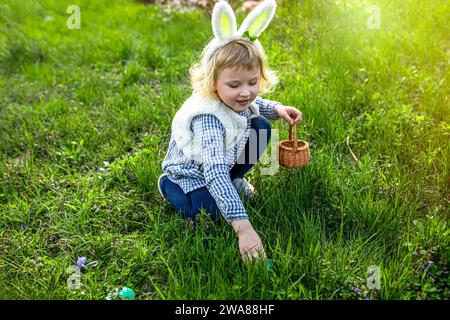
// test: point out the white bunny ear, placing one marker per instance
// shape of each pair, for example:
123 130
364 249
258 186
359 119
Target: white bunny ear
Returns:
223 21
258 20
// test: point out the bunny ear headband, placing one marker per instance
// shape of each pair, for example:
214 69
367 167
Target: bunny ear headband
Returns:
225 28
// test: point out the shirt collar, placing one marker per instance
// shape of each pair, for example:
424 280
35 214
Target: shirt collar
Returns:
246 113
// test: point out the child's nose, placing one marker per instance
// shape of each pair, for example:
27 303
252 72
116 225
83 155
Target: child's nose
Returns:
245 92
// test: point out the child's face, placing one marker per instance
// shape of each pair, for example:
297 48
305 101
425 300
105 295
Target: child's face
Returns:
237 88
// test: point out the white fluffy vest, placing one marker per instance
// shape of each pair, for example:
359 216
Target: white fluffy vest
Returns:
234 124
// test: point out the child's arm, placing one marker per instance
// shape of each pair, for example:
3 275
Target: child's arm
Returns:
274 110
267 108
210 134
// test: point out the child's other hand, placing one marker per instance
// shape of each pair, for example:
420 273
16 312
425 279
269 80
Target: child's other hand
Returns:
250 245
290 114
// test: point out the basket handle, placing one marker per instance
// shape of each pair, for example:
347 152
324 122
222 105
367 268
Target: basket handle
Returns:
295 134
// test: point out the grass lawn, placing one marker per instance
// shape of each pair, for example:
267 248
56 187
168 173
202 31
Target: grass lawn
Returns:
85 119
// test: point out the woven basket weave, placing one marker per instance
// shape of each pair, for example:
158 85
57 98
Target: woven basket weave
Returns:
293 153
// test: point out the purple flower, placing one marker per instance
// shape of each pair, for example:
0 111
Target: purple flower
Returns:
356 290
81 262
430 264
422 267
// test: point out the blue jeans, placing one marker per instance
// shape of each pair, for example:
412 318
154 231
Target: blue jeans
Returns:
190 204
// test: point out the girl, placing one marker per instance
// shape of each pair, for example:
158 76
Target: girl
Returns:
222 129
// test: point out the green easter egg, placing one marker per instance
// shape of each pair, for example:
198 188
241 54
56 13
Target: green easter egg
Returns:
126 294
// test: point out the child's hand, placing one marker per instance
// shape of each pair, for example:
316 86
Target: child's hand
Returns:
290 114
250 244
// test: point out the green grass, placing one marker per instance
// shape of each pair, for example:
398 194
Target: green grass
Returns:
85 123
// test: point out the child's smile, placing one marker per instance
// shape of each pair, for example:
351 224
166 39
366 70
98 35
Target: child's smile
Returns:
238 87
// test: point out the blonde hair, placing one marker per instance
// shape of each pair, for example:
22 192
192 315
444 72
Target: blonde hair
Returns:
236 54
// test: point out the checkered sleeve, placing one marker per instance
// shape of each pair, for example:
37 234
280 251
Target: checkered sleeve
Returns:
211 135
267 108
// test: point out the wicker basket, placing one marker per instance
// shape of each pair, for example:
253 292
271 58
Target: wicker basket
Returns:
293 153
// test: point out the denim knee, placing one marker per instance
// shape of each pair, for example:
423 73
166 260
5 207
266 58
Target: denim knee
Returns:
180 202
262 123
202 199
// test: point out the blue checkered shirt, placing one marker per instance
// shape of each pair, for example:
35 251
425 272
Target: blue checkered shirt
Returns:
214 170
